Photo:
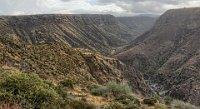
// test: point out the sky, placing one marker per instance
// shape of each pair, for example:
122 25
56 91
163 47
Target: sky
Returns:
114 7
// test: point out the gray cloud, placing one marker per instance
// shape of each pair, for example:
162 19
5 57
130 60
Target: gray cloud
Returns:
19 6
149 6
115 7
174 2
65 0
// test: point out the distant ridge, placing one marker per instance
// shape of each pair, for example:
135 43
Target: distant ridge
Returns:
56 48
140 24
169 54
100 33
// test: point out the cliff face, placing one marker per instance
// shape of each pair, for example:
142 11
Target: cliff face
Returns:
100 33
138 25
57 61
168 54
45 44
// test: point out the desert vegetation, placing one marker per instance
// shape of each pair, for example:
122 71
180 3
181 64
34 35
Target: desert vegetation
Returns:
177 104
120 95
29 91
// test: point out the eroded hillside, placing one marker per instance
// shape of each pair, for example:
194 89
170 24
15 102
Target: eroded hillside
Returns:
101 33
168 55
65 50
138 24
59 63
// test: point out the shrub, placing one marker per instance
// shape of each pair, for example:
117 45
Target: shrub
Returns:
168 100
133 105
115 105
119 105
129 102
150 101
99 91
182 105
60 91
127 99
93 86
29 91
81 105
67 83
121 93
112 88
9 106
118 89
161 106
157 97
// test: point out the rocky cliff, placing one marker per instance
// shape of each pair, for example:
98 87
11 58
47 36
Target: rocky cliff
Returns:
57 61
138 25
40 44
100 33
168 55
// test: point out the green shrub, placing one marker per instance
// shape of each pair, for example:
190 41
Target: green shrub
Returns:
99 91
119 105
118 89
60 91
150 101
168 100
182 105
121 93
133 105
93 86
157 97
127 99
67 83
161 106
81 105
115 105
29 91
112 88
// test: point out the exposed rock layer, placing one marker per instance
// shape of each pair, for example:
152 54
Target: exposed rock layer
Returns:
43 44
169 54
101 33
138 24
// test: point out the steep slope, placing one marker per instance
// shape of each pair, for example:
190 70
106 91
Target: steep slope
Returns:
168 54
101 33
138 24
58 61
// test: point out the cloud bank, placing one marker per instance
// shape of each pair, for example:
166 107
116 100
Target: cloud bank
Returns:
115 7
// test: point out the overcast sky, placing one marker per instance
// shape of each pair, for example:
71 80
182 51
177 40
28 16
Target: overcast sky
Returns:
115 7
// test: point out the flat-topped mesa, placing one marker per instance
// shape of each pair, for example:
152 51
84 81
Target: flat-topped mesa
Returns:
187 18
87 19
96 32
173 23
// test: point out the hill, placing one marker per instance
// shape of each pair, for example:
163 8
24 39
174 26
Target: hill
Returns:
168 54
72 71
101 33
42 68
138 24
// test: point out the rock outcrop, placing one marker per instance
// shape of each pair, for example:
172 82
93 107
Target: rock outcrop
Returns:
169 54
46 44
138 25
101 33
